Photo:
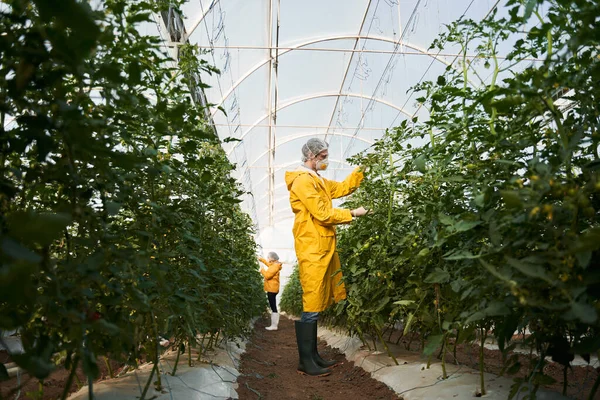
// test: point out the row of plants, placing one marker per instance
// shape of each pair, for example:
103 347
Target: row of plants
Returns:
487 213
119 219
291 298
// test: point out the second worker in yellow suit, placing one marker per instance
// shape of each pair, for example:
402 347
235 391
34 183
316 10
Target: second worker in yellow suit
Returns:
271 275
314 241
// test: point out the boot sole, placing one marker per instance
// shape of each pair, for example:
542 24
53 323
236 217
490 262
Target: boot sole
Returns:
318 376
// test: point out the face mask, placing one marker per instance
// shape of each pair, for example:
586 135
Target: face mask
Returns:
322 164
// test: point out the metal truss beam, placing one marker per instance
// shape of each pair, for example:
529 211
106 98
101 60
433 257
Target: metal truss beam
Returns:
320 40
303 135
316 96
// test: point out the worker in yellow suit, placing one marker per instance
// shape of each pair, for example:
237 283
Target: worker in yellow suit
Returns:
271 275
314 240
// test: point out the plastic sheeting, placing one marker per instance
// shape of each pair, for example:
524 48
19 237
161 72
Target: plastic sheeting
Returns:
339 70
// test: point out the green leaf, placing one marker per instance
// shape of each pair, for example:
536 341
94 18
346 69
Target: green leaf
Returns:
457 285
78 17
433 343
438 276
42 228
404 302
460 255
106 327
18 252
584 312
423 252
36 366
584 258
445 219
511 198
492 269
419 163
112 207
139 17
529 268
480 200
496 308
463 226
588 241
476 316
529 7
381 304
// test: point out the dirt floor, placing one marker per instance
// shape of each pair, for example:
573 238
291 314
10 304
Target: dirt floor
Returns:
52 387
268 371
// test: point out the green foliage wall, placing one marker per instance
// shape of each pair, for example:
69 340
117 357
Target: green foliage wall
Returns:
493 223
291 298
119 219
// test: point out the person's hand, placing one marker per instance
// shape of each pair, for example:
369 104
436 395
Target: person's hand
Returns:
359 212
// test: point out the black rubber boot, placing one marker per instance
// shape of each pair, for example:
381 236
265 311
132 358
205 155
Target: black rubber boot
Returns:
306 343
320 362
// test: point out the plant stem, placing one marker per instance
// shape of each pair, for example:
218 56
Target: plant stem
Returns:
201 350
72 374
189 352
386 346
108 367
564 392
455 344
481 365
154 368
594 388
176 360
445 348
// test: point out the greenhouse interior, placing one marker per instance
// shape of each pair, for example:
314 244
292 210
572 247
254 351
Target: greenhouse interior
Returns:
188 186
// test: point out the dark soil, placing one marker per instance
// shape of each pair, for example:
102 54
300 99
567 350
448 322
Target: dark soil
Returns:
53 386
268 371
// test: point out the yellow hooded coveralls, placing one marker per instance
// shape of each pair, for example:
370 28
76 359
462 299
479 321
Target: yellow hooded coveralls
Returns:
271 275
314 234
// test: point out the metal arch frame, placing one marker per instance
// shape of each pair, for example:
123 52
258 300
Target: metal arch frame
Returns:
303 135
312 97
199 20
324 39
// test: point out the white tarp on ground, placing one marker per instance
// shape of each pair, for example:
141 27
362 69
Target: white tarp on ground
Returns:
214 378
412 380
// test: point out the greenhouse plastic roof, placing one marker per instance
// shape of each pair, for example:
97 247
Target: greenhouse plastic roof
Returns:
337 69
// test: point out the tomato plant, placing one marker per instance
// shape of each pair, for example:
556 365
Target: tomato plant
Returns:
487 212
119 219
291 298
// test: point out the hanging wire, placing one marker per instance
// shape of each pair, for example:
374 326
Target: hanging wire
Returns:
434 59
385 71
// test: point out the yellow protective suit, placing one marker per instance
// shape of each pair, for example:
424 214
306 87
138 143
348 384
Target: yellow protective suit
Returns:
314 234
271 275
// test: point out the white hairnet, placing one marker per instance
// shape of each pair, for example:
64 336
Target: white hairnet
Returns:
313 147
273 256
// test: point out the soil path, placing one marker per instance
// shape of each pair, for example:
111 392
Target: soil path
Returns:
268 371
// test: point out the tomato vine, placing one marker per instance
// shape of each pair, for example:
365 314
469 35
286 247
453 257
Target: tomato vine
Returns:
489 207
119 219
